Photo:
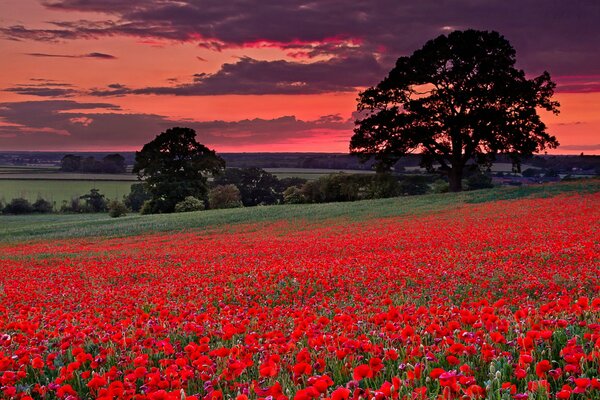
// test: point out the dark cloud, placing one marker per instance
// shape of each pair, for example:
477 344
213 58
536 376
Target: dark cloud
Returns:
42 91
581 147
250 76
578 84
69 124
44 88
102 56
560 36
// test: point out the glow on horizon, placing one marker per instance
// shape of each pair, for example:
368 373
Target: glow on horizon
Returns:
143 63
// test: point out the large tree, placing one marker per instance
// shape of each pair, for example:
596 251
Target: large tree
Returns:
458 101
174 166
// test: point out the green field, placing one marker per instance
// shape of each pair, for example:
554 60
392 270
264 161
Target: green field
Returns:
310 174
57 191
20 228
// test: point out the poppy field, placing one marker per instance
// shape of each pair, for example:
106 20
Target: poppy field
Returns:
498 300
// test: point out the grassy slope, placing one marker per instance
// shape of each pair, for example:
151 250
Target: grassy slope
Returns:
22 228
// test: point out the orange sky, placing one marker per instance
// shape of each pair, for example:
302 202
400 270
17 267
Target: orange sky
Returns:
143 62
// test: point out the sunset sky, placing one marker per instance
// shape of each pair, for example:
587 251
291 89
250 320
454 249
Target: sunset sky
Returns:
258 75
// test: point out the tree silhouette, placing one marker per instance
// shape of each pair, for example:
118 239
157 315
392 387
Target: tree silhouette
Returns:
174 166
457 100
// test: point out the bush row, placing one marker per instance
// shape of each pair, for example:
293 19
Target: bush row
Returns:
252 187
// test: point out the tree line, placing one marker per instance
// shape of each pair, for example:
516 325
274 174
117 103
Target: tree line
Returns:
109 164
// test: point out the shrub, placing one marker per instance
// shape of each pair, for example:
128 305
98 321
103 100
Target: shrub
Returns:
440 186
224 196
291 181
383 186
116 209
147 207
73 206
95 200
190 203
414 185
18 206
137 196
293 195
43 206
479 181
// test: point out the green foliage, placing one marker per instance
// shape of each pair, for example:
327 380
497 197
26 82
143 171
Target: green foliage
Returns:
293 195
224 196
136 197
42 206
190 203
457 99
147 208
414 185
174 166
256 186
18 206
116 209
440 186
479 181
294 181
95 200
383 185
345 187
73 206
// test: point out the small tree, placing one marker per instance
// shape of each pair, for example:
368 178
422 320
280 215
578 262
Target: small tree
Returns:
18 206
224 196
189 204
137 196
95 200
113 164
293 195
116 209
458 100
175 166
42 206
70 163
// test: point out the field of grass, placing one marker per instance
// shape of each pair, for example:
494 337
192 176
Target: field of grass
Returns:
20 228
57 191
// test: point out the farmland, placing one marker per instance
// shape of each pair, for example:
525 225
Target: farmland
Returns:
486 294
33 182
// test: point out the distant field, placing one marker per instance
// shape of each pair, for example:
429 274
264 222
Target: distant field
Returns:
310 174
57 191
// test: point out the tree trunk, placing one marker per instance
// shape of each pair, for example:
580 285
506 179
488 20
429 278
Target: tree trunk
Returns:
455 179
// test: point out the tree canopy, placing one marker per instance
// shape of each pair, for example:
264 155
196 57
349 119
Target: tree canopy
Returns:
458 100
256 186
175 166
